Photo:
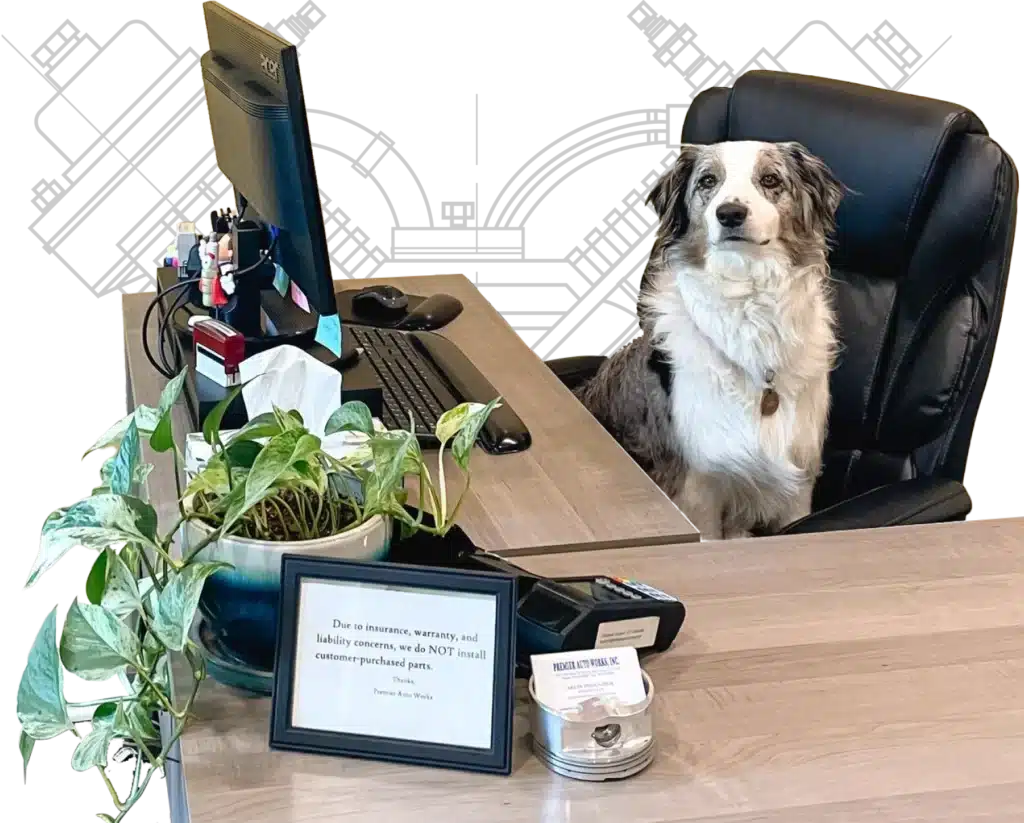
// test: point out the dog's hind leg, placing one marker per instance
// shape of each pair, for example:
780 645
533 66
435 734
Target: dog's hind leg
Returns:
702 504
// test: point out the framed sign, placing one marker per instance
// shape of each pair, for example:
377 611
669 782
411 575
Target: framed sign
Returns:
394 662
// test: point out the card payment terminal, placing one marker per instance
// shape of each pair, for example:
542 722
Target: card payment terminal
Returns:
569 613
575 613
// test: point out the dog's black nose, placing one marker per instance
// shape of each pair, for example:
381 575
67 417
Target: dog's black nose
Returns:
731 215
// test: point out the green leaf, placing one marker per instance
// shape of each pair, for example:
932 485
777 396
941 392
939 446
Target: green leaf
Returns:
289 421
95 644
134 720
395 454
172 391
242 453
26 745
462 446
176 604
261 427
162 438
397 510
233 505
55 546
94 523
211 425
359 457
122 466
141 474
123 512
308 473
154 658
372 496
92 749
105 712
42 711
279 455
353 416
214 479
97 580
145 418
449 423
122 595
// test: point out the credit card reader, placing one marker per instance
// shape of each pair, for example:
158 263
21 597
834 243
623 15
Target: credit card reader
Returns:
575 613
571 613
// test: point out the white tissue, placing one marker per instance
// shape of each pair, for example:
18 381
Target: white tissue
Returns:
289 378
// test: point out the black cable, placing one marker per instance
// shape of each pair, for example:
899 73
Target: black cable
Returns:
162 329
163 367
145 324
264 257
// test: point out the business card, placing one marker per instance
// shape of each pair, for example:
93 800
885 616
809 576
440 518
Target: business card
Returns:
564 680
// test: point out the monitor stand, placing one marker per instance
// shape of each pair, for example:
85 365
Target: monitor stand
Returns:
281 322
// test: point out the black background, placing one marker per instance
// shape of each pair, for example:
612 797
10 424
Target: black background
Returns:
517 147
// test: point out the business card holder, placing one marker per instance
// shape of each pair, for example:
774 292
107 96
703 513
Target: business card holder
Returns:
597 740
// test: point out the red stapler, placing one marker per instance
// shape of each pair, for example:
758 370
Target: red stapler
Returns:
219 349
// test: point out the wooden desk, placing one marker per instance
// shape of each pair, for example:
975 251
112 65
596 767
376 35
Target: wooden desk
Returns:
575 488
840 678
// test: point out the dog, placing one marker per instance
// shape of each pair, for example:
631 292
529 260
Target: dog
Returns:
723 399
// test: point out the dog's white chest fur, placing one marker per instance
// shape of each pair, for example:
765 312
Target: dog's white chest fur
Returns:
730 330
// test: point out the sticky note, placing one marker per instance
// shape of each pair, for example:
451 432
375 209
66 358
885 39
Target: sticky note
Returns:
280 280
328 333
298 298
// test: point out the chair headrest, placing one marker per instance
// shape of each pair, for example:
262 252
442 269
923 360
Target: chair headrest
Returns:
892 149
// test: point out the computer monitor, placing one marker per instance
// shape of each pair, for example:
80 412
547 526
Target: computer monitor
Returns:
261 139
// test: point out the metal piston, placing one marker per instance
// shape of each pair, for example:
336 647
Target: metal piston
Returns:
594 741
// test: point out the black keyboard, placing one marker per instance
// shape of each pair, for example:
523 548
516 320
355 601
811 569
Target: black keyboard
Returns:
424 375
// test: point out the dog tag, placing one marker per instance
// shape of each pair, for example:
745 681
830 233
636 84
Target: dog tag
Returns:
769 402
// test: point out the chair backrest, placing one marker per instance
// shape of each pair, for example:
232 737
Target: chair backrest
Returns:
921 259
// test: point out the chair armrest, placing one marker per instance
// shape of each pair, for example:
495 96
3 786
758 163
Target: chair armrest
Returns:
575 371
908 502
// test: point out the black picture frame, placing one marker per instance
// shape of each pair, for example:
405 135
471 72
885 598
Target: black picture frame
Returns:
497 759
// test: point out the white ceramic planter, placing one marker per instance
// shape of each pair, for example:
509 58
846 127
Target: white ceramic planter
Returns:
259 561
240 605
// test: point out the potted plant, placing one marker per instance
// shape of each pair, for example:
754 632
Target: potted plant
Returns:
268 488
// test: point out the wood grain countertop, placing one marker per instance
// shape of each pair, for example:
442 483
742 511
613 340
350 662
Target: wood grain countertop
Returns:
837 678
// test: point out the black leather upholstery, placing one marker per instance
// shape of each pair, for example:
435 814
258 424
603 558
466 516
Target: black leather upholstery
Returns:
921 258
575 371
906 503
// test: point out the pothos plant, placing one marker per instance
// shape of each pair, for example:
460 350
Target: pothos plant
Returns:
271 480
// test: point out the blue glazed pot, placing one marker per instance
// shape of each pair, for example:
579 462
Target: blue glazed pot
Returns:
239 605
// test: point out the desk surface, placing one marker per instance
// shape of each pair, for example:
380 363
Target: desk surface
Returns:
575 488
818 679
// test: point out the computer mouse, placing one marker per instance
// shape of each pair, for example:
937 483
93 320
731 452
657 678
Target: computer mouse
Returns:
379 301
436 311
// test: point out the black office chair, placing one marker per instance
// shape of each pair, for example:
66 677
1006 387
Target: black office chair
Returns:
921 256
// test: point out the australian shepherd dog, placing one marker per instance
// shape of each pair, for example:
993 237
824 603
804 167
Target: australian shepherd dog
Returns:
724 397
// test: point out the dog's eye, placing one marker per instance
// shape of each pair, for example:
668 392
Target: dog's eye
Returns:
770 181
707 181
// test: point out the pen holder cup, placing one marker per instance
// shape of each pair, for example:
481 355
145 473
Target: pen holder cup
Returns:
593 733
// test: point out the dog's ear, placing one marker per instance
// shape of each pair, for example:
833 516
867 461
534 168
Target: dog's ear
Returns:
818 192
668 196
